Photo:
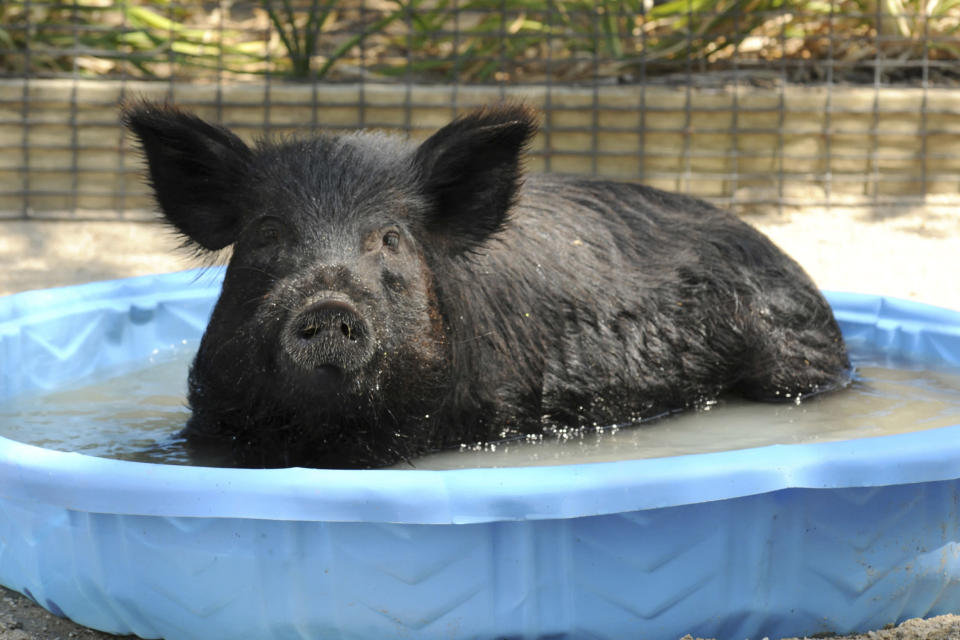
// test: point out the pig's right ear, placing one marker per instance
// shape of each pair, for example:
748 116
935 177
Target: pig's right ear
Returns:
197 171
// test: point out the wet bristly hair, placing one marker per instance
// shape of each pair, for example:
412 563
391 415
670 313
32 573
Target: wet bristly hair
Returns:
490 303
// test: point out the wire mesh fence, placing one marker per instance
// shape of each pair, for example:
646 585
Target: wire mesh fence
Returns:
753 104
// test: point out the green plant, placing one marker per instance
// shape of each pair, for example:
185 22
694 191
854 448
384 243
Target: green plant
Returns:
910 25
851 31
97 38
469 40
474 39
300 33
164 38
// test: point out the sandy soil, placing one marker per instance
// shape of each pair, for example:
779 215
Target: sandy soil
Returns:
914 255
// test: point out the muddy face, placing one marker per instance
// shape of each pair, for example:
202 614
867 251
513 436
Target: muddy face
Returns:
327 304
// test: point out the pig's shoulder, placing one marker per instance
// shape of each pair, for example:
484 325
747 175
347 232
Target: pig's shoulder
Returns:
628 199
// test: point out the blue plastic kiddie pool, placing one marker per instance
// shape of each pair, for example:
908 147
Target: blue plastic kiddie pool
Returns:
772 541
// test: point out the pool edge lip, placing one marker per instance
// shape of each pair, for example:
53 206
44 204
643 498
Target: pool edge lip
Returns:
84 483
97 485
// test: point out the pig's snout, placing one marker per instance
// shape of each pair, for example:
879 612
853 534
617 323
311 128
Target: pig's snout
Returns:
328 333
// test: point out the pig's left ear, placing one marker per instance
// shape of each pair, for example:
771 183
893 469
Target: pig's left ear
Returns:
470 172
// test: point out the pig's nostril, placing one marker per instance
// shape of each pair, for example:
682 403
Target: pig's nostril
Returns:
328 333
310 331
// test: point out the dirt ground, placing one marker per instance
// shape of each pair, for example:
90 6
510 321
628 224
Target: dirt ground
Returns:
912 254
907 254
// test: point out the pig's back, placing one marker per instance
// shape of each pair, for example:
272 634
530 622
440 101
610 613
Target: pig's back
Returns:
619 292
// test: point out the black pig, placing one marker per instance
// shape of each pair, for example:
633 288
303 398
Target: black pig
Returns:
385 299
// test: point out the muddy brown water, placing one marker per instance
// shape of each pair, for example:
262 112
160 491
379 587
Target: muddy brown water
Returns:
134 414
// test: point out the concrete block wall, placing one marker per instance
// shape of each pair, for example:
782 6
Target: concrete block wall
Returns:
64 155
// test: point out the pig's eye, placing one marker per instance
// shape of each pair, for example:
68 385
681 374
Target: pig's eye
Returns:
391 240
267 232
